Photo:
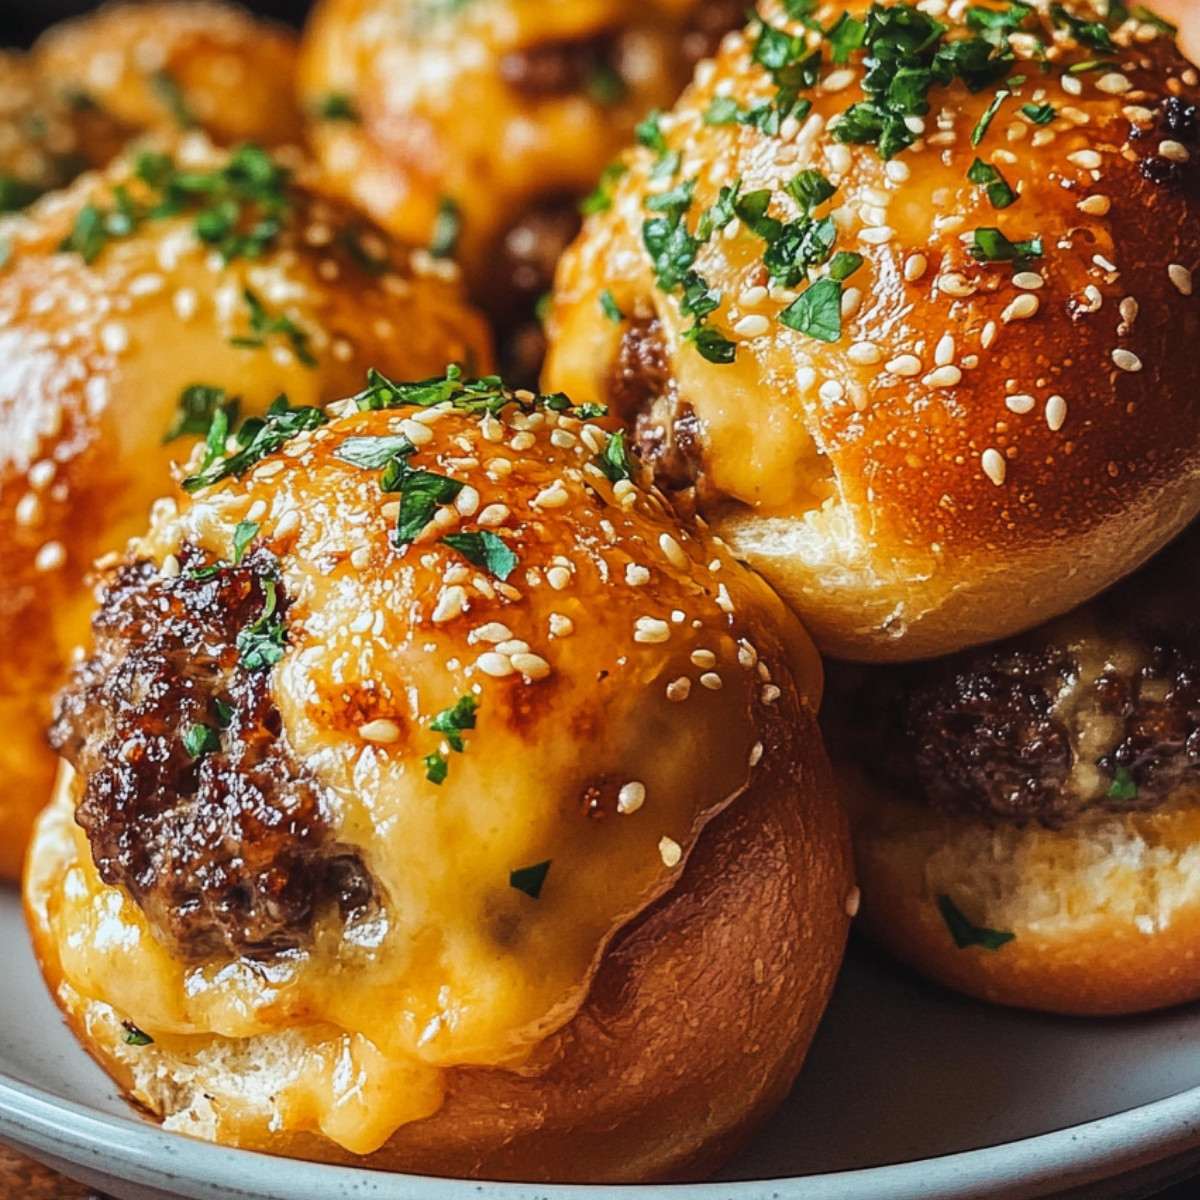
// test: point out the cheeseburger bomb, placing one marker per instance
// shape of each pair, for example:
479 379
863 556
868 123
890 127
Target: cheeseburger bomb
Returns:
904 302
460 807
135 307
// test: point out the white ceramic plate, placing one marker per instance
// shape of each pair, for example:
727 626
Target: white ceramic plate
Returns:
909 1093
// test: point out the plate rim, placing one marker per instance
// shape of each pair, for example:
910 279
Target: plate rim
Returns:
144 1154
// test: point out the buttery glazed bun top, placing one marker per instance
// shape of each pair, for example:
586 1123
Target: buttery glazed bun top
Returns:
388 731
178 65
133 306
493 107
907 302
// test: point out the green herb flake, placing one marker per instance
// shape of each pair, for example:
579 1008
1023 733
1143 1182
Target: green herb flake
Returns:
711 344
224 713
453 722
446 229
649 133
614 461
436 767
133 1036
817 311
166 88
485 550
243 534
374 453
722 110
421 493
846 36
966 934
1123 786
530 880
88 235
844 264
264 325
336 106
990 245
810 189
610 308
1039 114
600 200
981 128
987 176
260 646
1086 33
198 405
199 740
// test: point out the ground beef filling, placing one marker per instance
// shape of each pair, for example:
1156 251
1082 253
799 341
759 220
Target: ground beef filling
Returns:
193 803
1042 729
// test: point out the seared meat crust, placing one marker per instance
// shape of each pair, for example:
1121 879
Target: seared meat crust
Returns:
194 804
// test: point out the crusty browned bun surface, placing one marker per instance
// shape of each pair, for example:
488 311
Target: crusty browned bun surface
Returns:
1026 816
133 307
905 303
172 66
452 806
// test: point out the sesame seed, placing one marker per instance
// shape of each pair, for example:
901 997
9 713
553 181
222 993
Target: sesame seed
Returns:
1181 277
1028 281
1095 206
770 693
1128 308
382 732
1021 309
496 665
1020 403
864 354
1103 263
171 567
558 578
631 797
679 689
994 466
837 81
185 302
874 214
905 364
943 377
50 557
897 171
956 285
41 473
1127 360
561 626
831 391
636 575
360 557
752 296
915 266
876 235
853 900
494 514
523 441
670 852
1114 83
1094 297
1086 160
1175 151
1056 413
28 510
943 355
494 632
723 600
491 428
594 438
114 338
1137 114
651 631
288 523
532 666
712 681
988 335
1072 85
747 655
673 551
554 496
451 604
418 434
756 753
851 299
704 659
752 326
915 125
839 158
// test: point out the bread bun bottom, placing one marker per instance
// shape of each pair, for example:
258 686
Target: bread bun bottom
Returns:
693 1030
1104 913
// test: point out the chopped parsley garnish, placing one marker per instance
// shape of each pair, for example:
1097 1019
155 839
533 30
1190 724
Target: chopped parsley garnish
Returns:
844 264
1123 786
614 461
999 192
336 106
1039 114
257 437
601 199
1086 33
610 308
261 645
88 235
649 133
133 1036
446 229
436 767
810 189
199 740
454 721
374 453
990 245
722 110
817 311
198 405
530 880
16 193
264 324
421 493
224 713
711 344
243 534
166 88
984 123
965 933
998 21
846 36
486 550
751 208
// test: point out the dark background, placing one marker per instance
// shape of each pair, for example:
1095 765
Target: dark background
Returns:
22 20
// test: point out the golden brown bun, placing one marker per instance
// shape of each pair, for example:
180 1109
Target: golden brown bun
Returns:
983 445
96 358
491 143
645 732
178 65
1105 913
46 137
